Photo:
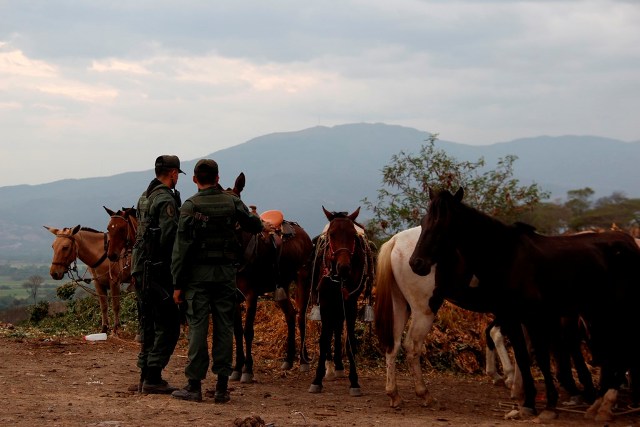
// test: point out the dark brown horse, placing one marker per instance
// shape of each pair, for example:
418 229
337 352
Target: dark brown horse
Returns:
274 260
540 280
341 270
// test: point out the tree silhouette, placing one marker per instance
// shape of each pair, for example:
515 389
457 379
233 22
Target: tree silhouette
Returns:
32 285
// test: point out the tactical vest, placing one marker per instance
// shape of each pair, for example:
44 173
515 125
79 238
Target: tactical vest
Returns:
214 229
144 214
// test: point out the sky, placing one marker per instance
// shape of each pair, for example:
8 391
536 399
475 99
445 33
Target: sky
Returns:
95 88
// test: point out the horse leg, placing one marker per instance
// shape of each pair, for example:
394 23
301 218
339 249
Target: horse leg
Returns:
238 334
513 330
302 301
540 340
290 316
352 346
115 304
247 370
401 316
503 354
326 332
338 350
104 307
413 345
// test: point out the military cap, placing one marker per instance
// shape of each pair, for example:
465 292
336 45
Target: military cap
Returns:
168 162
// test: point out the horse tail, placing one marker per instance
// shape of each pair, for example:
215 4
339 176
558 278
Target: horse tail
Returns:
385 281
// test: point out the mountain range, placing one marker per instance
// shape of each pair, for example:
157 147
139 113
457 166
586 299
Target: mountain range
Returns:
300 172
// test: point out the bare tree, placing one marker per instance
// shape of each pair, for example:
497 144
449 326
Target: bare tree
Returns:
32 285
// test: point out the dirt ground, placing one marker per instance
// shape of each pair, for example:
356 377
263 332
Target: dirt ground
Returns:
70 382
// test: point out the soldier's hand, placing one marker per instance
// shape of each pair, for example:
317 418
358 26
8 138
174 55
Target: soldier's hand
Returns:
268 227
177 296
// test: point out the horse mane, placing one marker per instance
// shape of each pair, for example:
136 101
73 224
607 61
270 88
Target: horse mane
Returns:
90 229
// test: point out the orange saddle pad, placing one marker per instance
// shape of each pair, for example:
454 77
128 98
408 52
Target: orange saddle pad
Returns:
274 217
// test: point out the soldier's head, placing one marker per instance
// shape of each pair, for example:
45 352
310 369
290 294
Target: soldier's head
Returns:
168 169
205 172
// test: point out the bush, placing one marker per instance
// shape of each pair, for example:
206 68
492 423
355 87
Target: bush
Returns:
38 311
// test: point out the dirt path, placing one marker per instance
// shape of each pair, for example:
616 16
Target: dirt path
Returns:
70 382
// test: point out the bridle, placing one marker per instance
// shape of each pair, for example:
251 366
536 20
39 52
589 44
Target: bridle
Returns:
72 266
130 239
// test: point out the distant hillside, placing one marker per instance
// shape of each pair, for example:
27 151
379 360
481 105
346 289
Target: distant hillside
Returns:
299 172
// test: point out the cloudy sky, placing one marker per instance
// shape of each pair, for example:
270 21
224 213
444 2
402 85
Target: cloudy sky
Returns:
95 88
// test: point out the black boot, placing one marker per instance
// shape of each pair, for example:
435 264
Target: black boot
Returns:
192 391
154 384
222 394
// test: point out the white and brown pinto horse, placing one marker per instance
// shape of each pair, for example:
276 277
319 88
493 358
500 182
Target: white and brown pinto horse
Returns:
401 293
90 247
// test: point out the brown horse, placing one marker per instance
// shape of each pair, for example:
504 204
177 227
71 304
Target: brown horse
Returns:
121 230
90 246
341 265
273 260
538 281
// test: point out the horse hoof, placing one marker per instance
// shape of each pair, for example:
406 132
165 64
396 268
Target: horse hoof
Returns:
395 401
286 366
340 373
235 376
304 367
313 388
330 376
355 392
246 377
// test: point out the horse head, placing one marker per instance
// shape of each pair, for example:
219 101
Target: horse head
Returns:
65 250
121 231
238 186
436 235
341 237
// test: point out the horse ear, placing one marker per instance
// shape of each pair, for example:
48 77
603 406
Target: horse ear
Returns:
459 195
431 195
109 211
239 184
51 229
328 214
75 229
354 215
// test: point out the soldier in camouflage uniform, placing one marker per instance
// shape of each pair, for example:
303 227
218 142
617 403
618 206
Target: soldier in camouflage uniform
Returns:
157 213
204 264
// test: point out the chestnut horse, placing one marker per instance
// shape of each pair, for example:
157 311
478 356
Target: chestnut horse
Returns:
121 230
538 281
90 246
340 271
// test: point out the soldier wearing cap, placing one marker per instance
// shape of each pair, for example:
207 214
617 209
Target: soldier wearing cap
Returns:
204 263
157 213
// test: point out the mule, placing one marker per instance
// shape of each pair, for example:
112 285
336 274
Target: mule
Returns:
538 280
90 246
340 271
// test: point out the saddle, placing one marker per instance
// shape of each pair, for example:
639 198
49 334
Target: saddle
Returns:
281 227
